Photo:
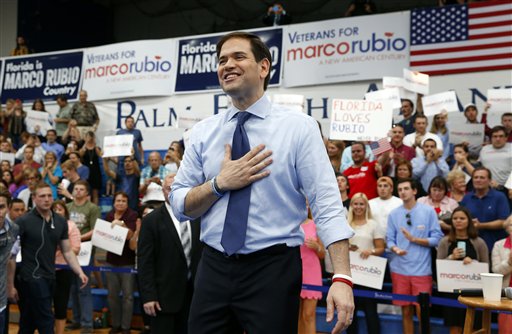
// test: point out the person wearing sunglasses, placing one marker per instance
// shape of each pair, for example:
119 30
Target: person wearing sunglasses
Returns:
412 231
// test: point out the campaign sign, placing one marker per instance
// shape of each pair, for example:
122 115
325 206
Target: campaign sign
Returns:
84 257
500 100
197 60
117 146
416 81
45 77
368 272
463 132
291 101
360 119
7 156
37 118
388 94
438 103
108 237
453 275
396 82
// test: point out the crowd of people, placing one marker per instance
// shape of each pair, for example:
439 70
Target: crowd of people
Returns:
423 194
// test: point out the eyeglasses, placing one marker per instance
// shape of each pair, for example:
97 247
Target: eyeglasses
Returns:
408 217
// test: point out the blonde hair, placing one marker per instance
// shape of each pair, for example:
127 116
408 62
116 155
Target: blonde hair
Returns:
454 175
368 212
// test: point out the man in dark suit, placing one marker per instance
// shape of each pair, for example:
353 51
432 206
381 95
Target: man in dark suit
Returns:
168 253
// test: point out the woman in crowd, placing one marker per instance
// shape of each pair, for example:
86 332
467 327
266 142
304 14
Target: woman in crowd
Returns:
72 133
461 159
90 154
344 188
72 146
335 150
51 172
439 128
367 240
502 264
16 125
311 252
462 244
437 199
63 278
403 170
172 160
457 183
8 178
38 105
121 311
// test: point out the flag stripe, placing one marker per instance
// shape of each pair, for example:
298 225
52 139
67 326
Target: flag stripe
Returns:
476 43
490 24
490 14
482 5
483 63
453 55
461 59
491 35
470 69
462 48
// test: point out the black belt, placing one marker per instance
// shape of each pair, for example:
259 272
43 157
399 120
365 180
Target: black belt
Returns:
272 250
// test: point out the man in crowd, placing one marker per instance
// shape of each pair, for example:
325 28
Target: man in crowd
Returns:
16 209
407 110
488 207
35 142
84 213
381 206
85 114
63 115
362 175
41 231
151 179
412 231
249 277
399 151
8 234
67 185
31 178
138 151
506 121
416 138
28 162
498 156
52 145
430 164
471 114
126 179
168 253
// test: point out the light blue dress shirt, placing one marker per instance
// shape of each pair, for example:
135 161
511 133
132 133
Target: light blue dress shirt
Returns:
300 169
425 171
424 224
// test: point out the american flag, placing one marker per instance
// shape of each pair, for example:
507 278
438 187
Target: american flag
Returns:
462 38
380 146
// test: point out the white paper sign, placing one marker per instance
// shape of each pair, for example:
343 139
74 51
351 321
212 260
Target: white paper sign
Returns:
438 103
464 132
84 257
7 156
291 101
500 100
456 275
109 238
117 146
360 119
395 82
38 118
369 272
416 81
388 94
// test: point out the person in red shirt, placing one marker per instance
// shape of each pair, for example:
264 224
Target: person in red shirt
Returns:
28 154
362 175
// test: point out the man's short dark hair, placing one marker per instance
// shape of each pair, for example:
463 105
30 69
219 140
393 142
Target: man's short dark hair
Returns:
421 116
51 130
411 182
498 128
82 183
360 143
16 200
506 114
62 98
489 174
429 139
408 101
258 48
7 196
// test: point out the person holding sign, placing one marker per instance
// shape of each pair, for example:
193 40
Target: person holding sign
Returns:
415 139
367 240
462 244
247 173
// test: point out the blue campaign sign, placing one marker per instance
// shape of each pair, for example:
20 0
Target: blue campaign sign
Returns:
197 60
42 77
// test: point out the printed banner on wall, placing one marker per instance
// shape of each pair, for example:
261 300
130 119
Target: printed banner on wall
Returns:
141 68
347 49
197 60
42 77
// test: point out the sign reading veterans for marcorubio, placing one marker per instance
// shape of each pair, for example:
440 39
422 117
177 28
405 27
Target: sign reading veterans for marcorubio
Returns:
197 60
457 275
42 77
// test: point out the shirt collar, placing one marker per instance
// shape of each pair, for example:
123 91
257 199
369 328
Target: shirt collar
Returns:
508 243
260 108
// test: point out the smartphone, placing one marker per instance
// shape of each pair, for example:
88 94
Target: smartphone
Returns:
462 245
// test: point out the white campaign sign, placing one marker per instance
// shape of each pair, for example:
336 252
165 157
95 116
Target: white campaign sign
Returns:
109 238
129 69
369 272
388 94
456 275
117 146
84 257
360 120
463 132
500 100
291 101
346 49
438 103
395 82
416 81
38 118
7 156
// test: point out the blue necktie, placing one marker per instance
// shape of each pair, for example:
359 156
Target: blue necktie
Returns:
235 225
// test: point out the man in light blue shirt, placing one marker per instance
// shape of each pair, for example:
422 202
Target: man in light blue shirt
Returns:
431 164
413 229
256 290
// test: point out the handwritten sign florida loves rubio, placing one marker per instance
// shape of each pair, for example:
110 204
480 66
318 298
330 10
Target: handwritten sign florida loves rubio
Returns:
360 119
117 146
109 238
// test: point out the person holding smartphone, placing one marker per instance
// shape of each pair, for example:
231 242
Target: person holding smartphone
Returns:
462 244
